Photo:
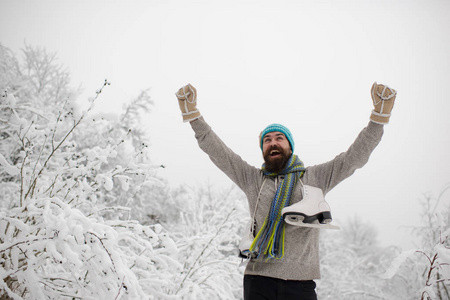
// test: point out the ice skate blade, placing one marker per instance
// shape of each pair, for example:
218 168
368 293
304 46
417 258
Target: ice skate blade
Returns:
318 226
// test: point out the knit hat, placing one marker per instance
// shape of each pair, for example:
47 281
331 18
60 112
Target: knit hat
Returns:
279 128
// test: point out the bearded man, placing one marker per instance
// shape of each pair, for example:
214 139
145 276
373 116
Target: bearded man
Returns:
284 258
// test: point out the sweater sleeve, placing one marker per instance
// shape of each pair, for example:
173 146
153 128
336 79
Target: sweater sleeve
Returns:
238 170
329 174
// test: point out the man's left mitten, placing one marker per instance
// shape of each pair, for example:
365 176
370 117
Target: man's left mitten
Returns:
383 98
187 99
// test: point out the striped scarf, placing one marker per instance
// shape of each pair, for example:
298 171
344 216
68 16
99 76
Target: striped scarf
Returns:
269 242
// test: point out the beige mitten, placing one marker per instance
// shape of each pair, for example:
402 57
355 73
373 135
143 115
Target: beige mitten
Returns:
187 99
383 98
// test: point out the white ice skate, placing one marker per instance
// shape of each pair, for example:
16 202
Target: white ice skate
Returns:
312 211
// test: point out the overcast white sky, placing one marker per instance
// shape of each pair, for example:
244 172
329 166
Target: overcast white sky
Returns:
306 64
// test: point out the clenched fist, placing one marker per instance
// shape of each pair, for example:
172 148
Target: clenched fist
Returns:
383 98
187 99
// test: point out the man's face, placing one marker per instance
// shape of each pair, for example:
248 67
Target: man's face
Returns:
276 151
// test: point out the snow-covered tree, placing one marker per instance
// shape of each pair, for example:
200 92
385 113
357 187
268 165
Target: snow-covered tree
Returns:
57 241
207 229
429 264
352 262
354 266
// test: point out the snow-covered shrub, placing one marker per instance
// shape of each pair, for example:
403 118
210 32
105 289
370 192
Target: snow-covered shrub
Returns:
51 250
208 229
60 236
354 266
352 262
428 266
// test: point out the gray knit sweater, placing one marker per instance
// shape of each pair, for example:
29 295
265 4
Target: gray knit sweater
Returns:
301 259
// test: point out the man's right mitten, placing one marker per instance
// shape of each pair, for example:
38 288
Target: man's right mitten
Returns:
187 99
383 99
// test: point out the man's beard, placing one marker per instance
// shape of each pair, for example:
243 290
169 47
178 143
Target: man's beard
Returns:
277 164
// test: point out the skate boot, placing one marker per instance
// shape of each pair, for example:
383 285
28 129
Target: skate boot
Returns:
244 246
246 242
312 211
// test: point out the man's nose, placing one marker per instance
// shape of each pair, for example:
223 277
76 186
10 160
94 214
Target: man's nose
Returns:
273 143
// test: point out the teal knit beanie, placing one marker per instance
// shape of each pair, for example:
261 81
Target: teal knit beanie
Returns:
279 128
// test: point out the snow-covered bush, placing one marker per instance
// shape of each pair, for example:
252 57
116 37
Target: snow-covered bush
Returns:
428 265
52 250
352 262
354 266
207 230
59 235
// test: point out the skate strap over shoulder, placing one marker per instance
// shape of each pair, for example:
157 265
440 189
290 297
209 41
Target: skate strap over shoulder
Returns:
252 227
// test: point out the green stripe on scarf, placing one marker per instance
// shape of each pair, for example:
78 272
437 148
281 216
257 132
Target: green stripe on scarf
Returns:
269 242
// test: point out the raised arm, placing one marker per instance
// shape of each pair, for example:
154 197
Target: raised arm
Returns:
328 175
223 157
